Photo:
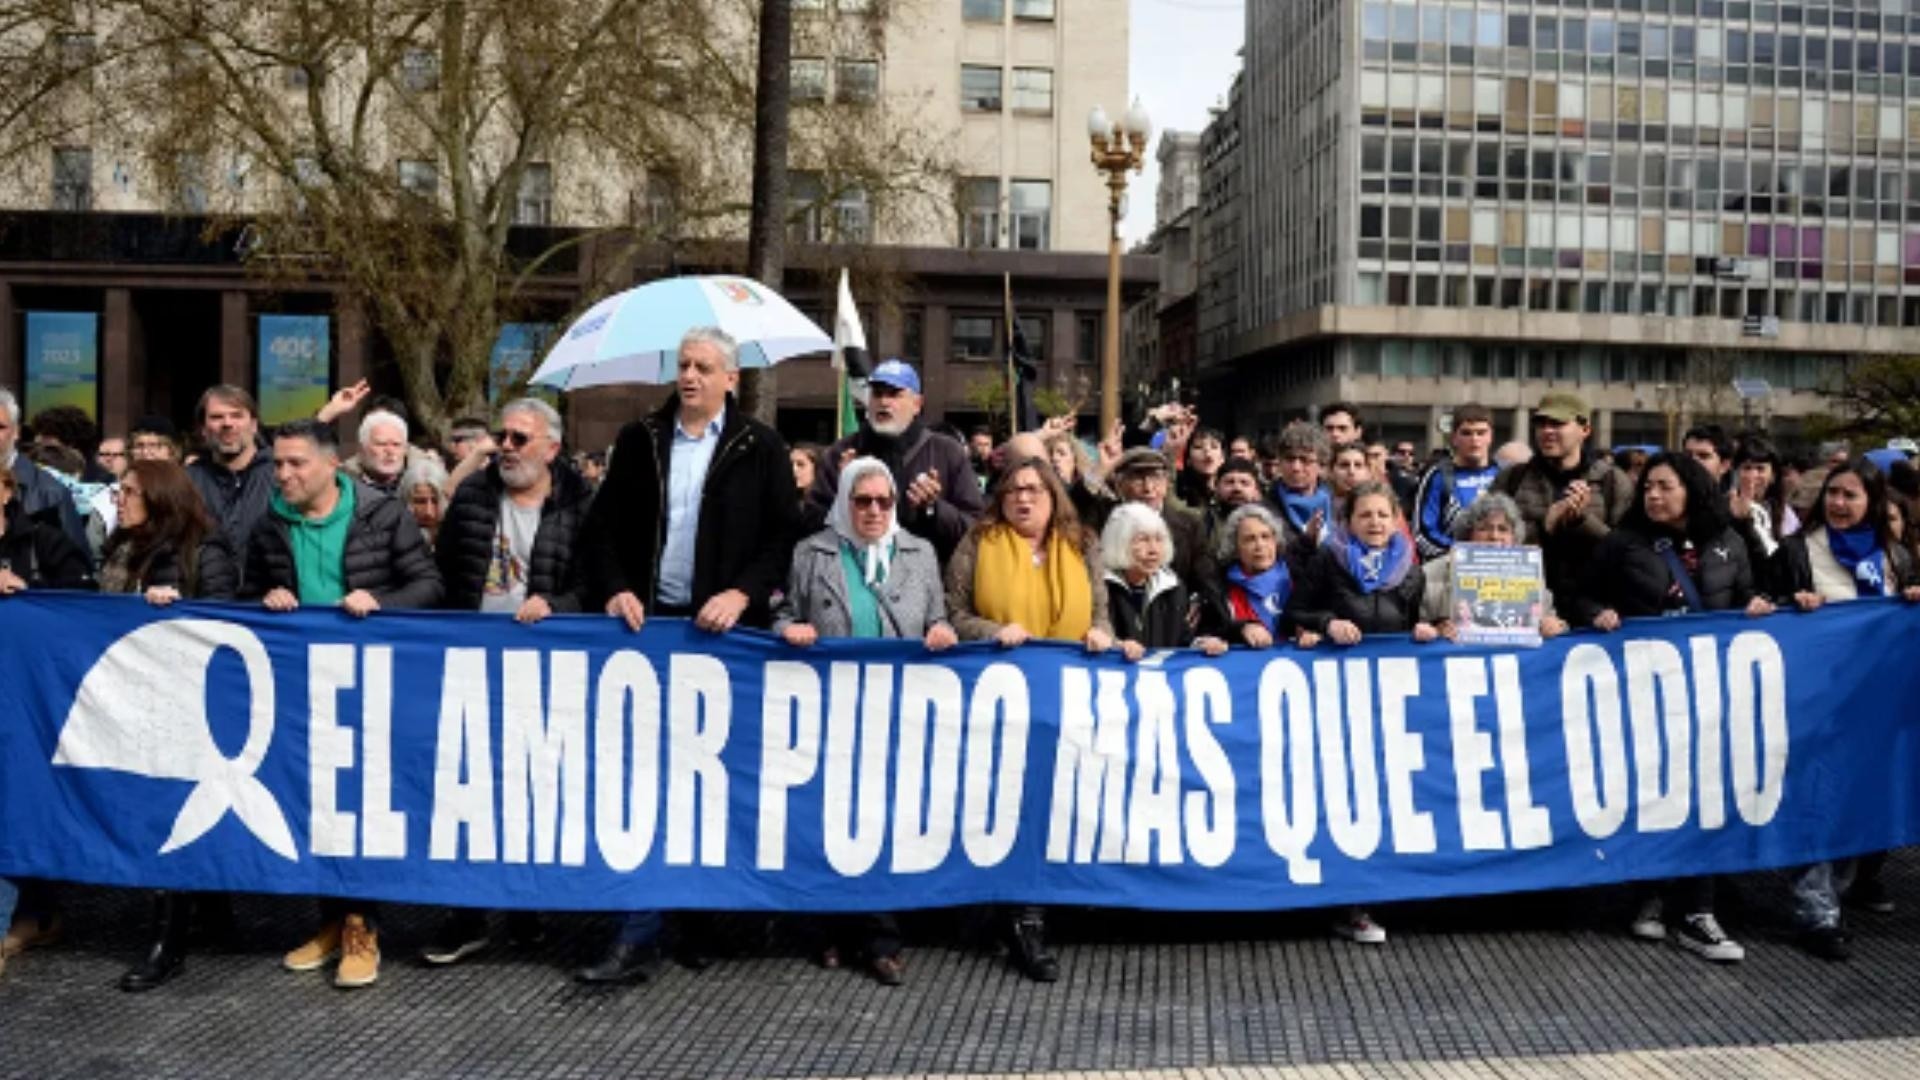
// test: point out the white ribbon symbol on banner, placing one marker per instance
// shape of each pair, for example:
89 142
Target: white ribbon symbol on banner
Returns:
142 709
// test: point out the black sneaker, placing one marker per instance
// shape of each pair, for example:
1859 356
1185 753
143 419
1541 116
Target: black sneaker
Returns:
1870 896
1827 943
463 934
1701 935
526 930
1030 952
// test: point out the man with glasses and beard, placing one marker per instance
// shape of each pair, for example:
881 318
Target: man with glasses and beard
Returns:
507 546
939 494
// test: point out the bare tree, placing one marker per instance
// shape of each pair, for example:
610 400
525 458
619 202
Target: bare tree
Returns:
1878 399
390 147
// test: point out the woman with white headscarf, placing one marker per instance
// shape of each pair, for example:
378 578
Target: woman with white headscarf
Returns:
863 576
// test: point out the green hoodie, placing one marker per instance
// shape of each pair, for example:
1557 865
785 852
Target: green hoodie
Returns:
319 546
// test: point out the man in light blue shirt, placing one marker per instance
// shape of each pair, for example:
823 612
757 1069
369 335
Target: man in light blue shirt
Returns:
690 458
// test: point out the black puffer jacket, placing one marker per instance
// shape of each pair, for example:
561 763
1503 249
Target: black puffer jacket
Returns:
36 549
386 555
216 573
748 516
473 518
1326 591
1628 576
1157 618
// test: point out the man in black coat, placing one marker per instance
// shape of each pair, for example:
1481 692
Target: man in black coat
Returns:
940 495
506 545
38 490
234 477
360 550
696 517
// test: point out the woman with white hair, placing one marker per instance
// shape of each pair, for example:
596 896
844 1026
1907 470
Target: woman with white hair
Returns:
863 576
1149 605
1258 581
1492 519
424 486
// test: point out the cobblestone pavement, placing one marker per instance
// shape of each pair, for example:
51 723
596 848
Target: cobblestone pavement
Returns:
1524 986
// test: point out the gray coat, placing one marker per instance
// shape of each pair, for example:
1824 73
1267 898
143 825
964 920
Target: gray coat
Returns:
913 600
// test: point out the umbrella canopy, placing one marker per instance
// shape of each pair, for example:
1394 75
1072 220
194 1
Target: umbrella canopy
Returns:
634 336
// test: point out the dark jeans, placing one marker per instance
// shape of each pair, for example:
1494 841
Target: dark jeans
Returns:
872 935
333 910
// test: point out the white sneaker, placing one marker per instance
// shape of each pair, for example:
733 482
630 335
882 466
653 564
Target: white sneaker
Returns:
1701 935
1359 928
1648 924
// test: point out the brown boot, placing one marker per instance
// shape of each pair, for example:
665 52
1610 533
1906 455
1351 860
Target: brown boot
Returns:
317 953
359 955
30 933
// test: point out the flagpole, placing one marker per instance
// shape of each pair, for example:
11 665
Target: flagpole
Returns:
1006 345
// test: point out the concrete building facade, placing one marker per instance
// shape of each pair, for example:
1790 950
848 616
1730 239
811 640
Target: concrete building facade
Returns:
1639 200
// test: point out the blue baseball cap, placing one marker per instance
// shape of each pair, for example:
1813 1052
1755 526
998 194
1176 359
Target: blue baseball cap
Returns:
896 373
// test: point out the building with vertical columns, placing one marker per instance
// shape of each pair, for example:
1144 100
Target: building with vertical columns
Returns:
1638 200
1005 84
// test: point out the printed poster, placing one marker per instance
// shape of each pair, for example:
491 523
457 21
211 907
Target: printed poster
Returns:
296 366
63 361
1498 594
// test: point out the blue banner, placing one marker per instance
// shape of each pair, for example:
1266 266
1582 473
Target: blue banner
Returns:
63 361
296 366
465 759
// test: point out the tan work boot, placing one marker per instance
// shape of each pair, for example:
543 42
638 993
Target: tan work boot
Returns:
316 953
359 955
30 933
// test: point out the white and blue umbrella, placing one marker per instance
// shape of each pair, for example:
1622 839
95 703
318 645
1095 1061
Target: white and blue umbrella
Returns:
634 336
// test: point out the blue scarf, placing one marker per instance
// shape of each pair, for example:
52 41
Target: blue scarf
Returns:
1372 569
1267 591
1858 552
1300 508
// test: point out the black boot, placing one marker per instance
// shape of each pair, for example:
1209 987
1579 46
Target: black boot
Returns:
167 956
1028 947
623 963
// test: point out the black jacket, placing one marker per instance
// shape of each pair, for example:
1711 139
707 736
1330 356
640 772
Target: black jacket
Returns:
216 572
385 554
40 492
1325 591
917 450
748 515
36 549
472 518
1791 568
237 500
1628 576
1156 618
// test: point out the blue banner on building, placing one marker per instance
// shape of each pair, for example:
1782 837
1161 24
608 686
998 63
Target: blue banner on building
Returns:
465 759
296 366
63 361
516 353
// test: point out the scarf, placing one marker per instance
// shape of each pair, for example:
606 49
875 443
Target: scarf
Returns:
1052 600
1260 596
1373 569
875 557
1858 552
1301 508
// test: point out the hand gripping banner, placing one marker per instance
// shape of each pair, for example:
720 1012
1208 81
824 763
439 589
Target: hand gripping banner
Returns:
468 760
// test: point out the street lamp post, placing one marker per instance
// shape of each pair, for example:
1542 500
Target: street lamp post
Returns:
1117 149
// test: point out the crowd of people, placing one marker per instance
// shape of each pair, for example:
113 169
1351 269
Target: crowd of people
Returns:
1163 535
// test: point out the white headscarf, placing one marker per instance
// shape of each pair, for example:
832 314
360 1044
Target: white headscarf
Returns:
875 557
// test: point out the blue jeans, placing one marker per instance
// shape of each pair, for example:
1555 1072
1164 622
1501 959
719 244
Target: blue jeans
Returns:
9 899
640 928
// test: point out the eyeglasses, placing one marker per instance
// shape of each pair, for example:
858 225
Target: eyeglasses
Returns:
112 453
882 503
1032 491
512 439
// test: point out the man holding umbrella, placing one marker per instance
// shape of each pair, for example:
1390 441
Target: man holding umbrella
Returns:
696 519
941 497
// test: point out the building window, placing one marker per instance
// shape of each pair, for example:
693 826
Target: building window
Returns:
913 334
808 5
983 10
662 203
975 337
1033 328
1037 10
979 88
190 184
1033 90
980 212
535 204
808 78
805 193
852 218
856 81
73 178
1031 209
420 70
420 178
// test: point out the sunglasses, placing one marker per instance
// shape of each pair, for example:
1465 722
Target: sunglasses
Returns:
882 503
512 439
